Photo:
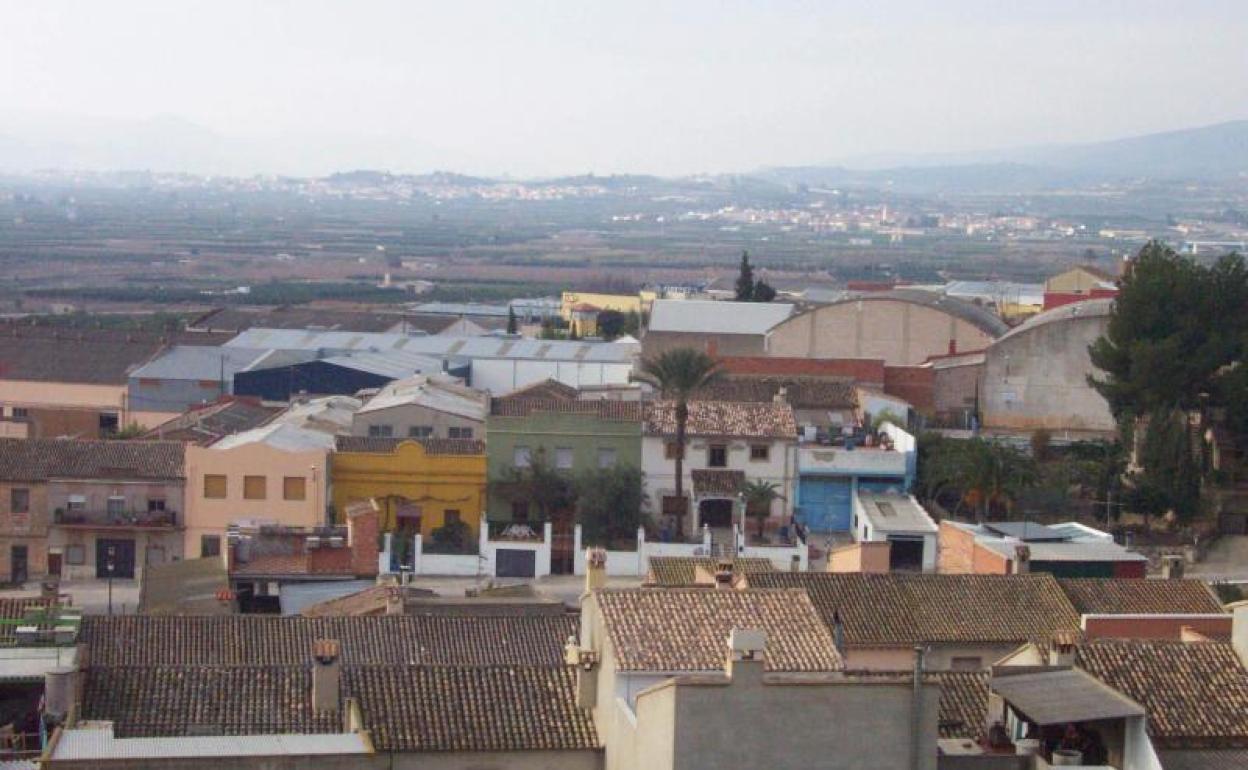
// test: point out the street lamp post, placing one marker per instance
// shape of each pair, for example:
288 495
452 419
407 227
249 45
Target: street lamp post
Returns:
110 564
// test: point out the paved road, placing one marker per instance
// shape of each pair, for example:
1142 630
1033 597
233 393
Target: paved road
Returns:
91 595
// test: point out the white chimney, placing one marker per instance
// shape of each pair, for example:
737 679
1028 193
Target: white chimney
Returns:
1239 630
595 569
1022 559
746 651
1172 567
1062 649
326 676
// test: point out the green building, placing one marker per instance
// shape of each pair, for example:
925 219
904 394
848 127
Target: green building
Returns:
572 436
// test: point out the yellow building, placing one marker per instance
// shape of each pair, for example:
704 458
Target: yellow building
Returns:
428 482
624 303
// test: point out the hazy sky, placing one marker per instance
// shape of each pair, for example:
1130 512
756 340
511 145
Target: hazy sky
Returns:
630 86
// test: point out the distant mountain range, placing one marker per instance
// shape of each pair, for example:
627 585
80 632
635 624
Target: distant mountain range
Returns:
1208 153
1215 153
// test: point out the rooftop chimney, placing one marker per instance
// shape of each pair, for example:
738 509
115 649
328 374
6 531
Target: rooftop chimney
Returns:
394 600
1022 560
723 574
1172 567
326 676
595 568
746 650
1062 651
782 396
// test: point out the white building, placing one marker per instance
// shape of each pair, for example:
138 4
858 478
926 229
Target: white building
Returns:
727 444
899 520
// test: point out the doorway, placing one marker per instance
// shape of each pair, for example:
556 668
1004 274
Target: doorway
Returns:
19 567
716 514
114 558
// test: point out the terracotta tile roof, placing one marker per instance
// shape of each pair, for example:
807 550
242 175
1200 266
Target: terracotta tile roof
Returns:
885 610
724 418
1196 693
686 629
404 708
39 459
622 411
206 424
1121 596
248 640
800 392
681 570
963 702
433 446
546 390
91 356
716 482
1203 759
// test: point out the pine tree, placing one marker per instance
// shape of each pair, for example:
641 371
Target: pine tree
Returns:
512 323
745 281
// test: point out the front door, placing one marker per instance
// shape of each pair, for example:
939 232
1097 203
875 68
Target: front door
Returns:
716 514
54 564
114 558
18 567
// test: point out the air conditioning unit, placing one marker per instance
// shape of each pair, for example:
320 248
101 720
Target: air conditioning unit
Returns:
337 541
312 541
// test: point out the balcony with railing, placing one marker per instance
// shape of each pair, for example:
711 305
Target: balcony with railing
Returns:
888 451
114 518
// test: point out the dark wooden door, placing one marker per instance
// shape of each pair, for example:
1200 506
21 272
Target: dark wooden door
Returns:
54 564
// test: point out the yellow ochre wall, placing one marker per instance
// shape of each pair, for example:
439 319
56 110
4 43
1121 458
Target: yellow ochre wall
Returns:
435 482
624 303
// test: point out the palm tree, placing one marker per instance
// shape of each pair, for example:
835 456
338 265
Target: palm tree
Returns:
758 496
986 474
678 374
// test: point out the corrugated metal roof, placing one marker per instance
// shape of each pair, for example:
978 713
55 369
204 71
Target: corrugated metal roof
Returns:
462 347
1061 696
197 362
395 363
711 317
436 392
99 743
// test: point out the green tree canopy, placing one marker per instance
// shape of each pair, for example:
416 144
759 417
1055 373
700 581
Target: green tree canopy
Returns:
610 505
745 279
611 324
1174 328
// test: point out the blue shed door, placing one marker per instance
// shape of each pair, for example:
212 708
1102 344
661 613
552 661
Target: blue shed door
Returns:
824 504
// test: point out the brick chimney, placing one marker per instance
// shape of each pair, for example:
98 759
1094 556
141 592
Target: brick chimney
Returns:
394 600
1022 560
595 568
326 676
723 574
363 530
1172 567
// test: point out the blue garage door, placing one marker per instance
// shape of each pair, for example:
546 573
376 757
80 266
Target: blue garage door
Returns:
824 504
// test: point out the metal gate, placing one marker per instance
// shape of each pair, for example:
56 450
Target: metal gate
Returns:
515 562
824 504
